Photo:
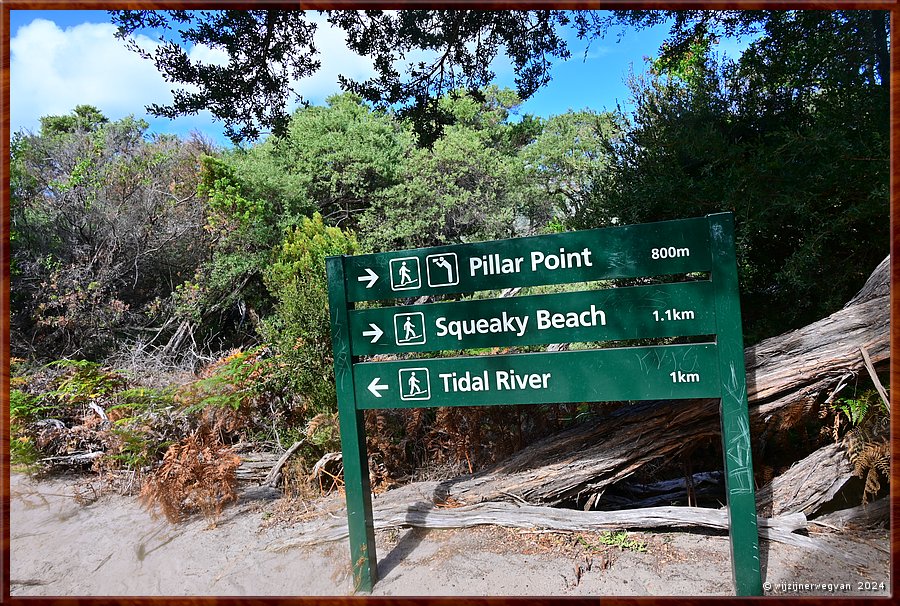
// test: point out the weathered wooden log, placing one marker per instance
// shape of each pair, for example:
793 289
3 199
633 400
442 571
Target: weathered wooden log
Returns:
783 373
78 459
870 515
255 467
808 484
510 515
274 476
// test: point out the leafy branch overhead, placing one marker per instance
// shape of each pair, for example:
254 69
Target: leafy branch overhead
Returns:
270 51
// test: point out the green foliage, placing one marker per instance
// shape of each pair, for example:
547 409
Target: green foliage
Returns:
862 425
855 409
23 409
136 447
339 156
300 326
859 411
232 382
612 538
457 49
99 213
778 141
226 199
470 185
570 158
83 118
85 381
23 406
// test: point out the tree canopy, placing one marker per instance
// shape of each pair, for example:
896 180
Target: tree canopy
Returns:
267 49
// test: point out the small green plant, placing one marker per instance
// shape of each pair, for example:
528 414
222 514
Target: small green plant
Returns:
23 409
614 538
136 448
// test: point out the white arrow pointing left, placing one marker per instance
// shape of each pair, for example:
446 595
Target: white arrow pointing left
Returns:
370 276
375 333
375 387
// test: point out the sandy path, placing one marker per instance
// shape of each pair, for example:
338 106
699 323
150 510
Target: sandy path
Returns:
114 547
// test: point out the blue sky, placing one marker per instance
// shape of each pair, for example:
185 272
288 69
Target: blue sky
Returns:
59 59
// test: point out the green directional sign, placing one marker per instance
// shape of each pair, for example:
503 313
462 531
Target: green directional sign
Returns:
659 310
629 373
652 249
700 300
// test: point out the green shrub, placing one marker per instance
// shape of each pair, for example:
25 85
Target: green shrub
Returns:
300 329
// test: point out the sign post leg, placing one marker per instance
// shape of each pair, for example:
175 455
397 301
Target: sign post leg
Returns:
735 418
363 558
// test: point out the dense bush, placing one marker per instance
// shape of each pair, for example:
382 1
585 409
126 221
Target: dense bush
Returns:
300 327
104 223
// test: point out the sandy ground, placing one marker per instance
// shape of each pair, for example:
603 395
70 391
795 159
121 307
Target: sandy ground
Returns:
114 547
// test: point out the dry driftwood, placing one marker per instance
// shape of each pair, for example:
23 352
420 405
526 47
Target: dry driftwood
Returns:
783 373
78 459
511 515
869 515
424 514
274 475
808 484
255 467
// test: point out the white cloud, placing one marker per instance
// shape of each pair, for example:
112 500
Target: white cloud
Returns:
207 55
53 70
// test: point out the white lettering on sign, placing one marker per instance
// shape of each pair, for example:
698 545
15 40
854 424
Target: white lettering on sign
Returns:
467 382
564 260
506 380
483 326
491 265
509 380
572 319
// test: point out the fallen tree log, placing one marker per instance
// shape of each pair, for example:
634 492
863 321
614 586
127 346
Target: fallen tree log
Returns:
423 514
808 484
785 374
78 459
255 467
274 476
870 515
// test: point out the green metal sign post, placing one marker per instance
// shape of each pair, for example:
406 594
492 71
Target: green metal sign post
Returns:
698 307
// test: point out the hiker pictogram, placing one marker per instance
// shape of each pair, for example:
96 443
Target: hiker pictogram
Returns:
405 273
415 384
409 329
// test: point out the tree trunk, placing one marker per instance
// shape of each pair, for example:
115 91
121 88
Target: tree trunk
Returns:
255 467
808 484
870 515
786 375
393 514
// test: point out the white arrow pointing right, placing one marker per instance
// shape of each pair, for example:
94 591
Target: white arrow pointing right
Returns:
375 387
375 333
370 276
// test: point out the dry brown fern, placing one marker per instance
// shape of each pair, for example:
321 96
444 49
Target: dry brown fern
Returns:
867 439
871 462
795 413
197 474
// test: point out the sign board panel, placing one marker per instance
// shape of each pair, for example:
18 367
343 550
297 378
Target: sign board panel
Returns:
594 375
658 310
701 301
653 249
